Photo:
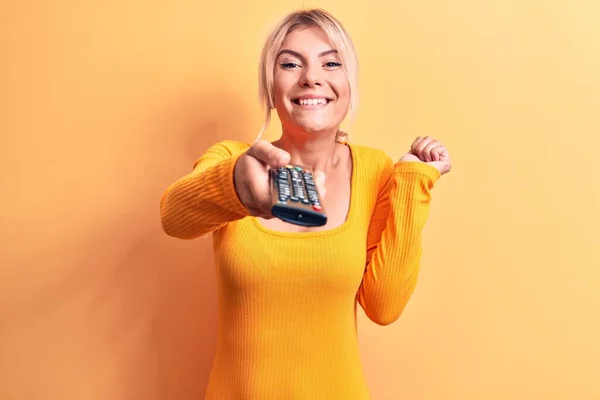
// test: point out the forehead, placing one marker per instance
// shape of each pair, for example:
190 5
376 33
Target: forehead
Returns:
307 40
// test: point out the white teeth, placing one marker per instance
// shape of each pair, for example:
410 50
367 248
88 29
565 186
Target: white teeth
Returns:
311 102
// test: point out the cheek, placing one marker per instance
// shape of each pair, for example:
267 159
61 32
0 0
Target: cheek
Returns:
342 88
340 84
282 84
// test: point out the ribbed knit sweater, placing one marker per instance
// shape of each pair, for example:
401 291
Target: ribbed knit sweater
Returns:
287 301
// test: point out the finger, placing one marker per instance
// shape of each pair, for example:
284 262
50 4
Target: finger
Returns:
262 209
427 150
444 155
435 153
420 147
255 211
258 193
415 144
265 152
258 203
264 199
443 164
266 213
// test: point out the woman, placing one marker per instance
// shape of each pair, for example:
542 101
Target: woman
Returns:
287 293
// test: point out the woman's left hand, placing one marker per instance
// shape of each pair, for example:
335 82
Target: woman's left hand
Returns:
429 151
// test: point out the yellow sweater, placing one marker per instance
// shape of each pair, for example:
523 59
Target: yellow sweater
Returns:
287 301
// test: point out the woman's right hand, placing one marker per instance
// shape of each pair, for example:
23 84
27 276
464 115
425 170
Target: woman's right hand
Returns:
251 176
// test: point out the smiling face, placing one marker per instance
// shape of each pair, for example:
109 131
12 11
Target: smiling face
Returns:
311 89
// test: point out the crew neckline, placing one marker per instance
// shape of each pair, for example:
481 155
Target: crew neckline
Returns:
332 231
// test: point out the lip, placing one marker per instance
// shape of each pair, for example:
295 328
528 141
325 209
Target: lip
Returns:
311 96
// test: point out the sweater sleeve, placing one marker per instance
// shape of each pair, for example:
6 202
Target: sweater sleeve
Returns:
205 199
394 239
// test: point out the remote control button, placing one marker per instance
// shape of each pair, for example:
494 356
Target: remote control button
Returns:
297 189
298 169
293 198
305 201
312 196
317 207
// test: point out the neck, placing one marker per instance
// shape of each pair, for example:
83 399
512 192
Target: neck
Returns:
316 151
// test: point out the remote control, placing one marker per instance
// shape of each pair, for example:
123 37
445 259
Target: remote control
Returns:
295 196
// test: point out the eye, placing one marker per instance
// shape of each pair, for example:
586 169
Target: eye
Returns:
333 64
289 65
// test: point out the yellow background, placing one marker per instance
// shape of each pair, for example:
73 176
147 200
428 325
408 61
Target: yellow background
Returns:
103 104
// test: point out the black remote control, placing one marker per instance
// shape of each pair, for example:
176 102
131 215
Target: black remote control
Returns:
295 196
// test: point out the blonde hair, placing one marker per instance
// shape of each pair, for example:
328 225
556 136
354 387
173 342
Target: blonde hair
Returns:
336 33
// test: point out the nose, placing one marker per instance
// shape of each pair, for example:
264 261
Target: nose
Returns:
311 76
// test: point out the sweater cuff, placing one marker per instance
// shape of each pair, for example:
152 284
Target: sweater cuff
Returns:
416 167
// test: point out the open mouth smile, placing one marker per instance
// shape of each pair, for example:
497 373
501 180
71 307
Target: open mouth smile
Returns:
312 102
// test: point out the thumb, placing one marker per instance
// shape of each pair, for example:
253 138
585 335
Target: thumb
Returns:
267 153
281 158
441 161
319 177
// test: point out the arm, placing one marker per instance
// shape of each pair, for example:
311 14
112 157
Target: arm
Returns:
394 239
205 199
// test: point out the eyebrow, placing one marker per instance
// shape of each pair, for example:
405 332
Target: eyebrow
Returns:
296 54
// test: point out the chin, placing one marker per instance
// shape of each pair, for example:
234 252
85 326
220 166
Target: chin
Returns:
315 126
312 129
315 129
